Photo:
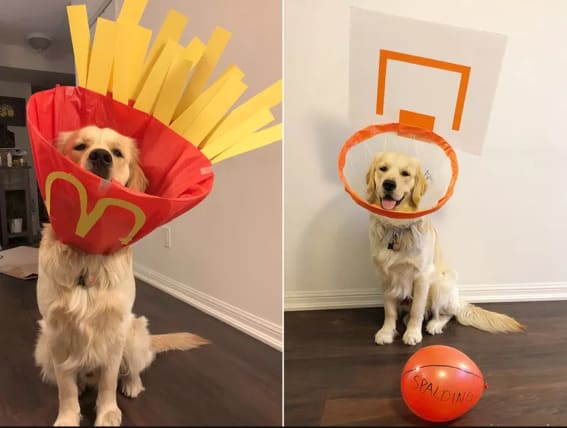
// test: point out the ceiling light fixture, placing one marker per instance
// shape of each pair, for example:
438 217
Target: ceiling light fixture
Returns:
39 41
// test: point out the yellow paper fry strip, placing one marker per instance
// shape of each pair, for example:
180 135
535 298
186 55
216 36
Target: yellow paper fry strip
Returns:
131 45
182 122
157 83
132 11
81 39
235 135
204 68
171 90
152 86
194 50
252 142
171 29
206 120
268 98
102 56
176 79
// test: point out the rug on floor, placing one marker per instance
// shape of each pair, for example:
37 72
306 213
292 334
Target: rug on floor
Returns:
19 262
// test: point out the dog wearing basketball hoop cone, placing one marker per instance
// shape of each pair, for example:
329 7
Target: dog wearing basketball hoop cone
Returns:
408 261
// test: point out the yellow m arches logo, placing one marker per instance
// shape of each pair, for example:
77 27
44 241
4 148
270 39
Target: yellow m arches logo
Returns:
88 219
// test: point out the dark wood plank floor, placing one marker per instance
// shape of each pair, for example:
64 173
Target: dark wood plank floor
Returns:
236 380
336 375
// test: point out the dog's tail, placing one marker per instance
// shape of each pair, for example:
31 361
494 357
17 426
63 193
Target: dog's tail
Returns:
492 322
176 342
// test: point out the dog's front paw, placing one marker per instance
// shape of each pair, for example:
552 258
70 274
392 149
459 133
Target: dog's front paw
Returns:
385 336
68 419
109 418
412 337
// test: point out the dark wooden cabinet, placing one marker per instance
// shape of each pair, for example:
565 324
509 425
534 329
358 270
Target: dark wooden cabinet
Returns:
15 202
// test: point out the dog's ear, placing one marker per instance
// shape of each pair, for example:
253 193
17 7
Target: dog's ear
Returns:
419 188
62 141
137 180
371 181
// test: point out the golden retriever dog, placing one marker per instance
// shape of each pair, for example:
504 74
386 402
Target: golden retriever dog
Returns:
408 260
88 333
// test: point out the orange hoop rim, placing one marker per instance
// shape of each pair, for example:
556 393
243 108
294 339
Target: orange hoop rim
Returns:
420 134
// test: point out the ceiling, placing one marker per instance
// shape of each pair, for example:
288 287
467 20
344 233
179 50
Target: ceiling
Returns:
20 17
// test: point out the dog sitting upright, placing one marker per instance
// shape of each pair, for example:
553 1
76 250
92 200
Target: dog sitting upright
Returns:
408 259
88 334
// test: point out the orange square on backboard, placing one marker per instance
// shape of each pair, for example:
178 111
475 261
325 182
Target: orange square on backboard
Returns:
425 74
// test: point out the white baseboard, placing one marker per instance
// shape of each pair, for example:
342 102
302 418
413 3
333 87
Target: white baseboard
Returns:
259 328
474 293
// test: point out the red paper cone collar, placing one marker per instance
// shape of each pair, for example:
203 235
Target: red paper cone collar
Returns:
96 215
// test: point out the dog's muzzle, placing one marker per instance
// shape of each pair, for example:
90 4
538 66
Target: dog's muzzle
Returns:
389 185
100 163
388 201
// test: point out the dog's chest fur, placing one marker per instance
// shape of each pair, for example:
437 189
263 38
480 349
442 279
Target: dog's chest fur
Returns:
86 322
401 254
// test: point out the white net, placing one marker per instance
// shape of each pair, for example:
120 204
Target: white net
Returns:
435 164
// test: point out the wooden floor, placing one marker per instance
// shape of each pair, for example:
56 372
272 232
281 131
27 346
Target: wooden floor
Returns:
336 375
236 380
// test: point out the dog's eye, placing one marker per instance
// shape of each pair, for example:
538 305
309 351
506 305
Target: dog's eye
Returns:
405 174
384 168
117 153
80 147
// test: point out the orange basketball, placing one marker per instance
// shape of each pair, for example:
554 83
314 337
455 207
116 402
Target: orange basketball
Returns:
440 383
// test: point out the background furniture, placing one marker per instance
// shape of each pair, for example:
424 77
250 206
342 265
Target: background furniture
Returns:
15 201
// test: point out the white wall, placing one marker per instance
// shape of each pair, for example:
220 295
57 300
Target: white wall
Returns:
24 57
226 253
23 90
504 230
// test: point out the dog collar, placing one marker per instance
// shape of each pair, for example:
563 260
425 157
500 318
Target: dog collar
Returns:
393 242
84 279
392 234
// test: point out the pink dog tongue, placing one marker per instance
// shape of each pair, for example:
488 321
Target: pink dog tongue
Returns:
388 204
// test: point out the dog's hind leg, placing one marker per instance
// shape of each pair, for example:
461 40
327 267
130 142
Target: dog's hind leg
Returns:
443 298
437 323
43 358
138 355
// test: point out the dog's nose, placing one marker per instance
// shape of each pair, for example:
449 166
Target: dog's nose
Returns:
389 185
101 157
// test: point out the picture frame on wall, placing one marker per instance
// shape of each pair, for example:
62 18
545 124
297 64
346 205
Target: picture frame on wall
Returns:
12 111
7 137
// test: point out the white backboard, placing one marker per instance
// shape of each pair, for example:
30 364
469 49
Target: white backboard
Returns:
446 73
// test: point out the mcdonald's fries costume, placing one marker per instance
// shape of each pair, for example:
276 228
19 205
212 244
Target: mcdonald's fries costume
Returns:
161 99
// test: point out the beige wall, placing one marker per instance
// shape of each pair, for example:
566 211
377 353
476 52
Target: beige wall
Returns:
228 250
